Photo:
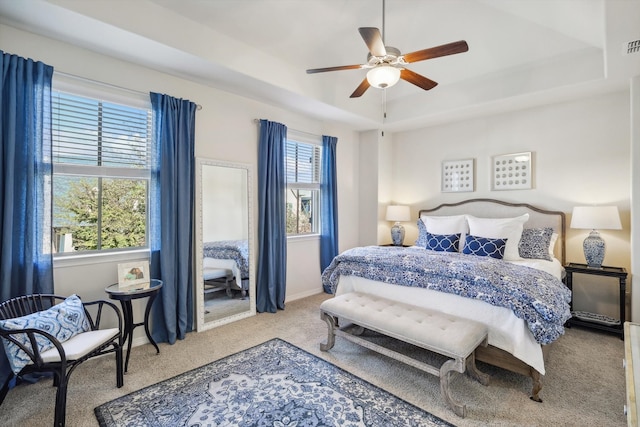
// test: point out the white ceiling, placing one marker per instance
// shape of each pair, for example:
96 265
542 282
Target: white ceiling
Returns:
521 52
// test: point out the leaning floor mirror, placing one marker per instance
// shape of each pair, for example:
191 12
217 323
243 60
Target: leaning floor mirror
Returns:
225 284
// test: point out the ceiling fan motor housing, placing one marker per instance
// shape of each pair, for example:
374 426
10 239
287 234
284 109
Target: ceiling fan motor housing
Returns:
390 58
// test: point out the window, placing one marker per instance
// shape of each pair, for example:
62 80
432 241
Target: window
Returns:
101 174
302 162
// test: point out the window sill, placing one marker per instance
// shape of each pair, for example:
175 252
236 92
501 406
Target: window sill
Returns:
303 238
76 260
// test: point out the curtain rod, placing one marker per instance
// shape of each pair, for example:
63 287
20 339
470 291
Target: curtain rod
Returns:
137 92
295 130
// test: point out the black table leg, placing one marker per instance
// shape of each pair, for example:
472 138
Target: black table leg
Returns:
127 311
146 321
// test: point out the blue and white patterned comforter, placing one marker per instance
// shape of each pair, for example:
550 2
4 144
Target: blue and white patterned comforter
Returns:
237 250
535 296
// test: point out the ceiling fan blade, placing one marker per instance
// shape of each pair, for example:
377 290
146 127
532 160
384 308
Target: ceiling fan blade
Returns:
373 39
341 67
436 52
417 79
361 89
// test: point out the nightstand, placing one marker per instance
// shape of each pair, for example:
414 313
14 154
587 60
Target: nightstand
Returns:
594 320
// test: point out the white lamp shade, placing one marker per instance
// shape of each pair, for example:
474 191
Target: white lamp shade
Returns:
383 76
398 213
596 218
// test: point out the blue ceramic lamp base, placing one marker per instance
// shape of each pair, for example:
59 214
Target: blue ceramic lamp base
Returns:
397 234
594 249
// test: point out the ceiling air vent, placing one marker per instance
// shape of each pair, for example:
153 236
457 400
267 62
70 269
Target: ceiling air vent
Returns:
631 47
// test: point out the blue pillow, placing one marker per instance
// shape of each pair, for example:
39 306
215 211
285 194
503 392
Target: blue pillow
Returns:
422 234
443 242
483 246
534 243
63 321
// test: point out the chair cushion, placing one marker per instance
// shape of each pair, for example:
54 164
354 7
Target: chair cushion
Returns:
81 344
63 321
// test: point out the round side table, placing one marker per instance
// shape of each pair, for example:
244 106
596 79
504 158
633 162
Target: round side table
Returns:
125 296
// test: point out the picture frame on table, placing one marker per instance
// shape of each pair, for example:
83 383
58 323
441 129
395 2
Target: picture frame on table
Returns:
134 274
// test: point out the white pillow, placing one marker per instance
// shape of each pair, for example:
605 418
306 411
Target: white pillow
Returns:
456 224
500 228
552 244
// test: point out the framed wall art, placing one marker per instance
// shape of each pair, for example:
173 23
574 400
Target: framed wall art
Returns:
458 175
512 171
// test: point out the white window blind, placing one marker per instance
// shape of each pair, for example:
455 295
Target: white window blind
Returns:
303 164
89 133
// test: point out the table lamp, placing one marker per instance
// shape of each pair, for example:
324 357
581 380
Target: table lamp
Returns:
594 218
397 213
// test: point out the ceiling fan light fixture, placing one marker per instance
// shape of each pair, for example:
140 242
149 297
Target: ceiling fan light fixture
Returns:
383 76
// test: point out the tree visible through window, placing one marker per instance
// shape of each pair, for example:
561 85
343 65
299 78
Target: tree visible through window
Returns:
101 161
303 187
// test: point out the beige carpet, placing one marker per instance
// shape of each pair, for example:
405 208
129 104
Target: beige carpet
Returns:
218 305
584 385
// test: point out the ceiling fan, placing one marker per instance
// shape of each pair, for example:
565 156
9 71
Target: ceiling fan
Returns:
387 65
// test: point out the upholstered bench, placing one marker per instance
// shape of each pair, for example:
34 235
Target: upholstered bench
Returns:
440 333
217 279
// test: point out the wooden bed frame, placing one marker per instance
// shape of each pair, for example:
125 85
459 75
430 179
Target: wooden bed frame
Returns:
538 217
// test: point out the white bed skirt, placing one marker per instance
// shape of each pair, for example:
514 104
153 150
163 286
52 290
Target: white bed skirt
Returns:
506 331
226 264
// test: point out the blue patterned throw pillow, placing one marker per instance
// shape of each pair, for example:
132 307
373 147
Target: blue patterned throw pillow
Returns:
422 234
443 242
483 246
535 242
63 321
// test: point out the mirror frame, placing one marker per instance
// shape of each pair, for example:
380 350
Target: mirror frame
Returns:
201 325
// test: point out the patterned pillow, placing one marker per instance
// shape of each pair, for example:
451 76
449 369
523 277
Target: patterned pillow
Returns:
535 243
63 321
483 246
443 242
422 234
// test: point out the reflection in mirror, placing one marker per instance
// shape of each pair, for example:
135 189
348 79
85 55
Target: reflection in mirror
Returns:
224 283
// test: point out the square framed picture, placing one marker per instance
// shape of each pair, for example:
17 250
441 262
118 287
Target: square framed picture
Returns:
458 176
512 171
133 273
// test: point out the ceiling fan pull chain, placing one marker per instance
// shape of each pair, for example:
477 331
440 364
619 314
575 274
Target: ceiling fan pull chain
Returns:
384 105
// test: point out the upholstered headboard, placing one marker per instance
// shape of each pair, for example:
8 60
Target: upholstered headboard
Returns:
491 208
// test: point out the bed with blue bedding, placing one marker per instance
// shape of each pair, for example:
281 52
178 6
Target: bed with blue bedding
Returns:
231 255
516 291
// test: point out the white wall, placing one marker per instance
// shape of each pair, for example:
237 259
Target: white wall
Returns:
224 203
635 191
581 156
225 130
369 193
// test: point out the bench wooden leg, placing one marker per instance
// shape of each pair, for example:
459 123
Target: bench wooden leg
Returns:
331 333
445 371
473 372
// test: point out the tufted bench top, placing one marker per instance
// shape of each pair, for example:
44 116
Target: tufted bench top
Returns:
216 273
439 332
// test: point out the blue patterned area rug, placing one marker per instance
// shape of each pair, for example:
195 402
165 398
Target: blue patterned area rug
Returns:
273 384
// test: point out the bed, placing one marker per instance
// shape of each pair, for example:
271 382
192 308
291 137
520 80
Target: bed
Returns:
231 257
437 278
